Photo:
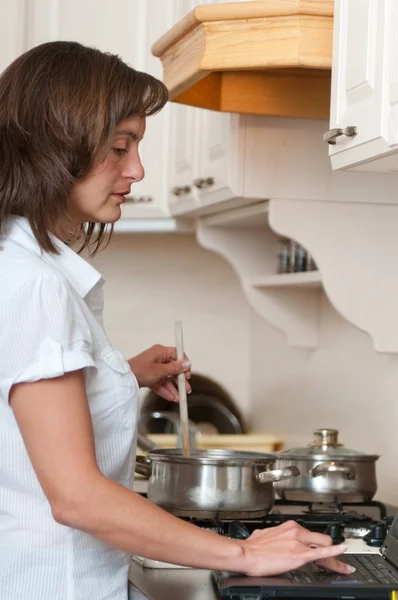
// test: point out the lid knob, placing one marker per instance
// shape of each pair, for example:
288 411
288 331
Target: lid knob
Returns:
326 438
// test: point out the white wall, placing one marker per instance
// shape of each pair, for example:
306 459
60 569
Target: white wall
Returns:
344 384
152 280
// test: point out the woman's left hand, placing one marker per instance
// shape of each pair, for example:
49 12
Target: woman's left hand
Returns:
157 368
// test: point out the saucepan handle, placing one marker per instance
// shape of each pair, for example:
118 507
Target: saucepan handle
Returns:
277 474
348 471
143 465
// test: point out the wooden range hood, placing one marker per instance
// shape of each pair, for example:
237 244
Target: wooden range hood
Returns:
269 57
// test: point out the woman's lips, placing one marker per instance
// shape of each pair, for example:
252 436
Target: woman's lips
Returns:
120 197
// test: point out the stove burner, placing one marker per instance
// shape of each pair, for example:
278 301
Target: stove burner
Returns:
332 507
340 524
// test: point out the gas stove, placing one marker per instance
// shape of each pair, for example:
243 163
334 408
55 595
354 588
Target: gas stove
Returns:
363 527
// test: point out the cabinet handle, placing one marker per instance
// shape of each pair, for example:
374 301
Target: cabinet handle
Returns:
181 190
139 199
203 183
331 136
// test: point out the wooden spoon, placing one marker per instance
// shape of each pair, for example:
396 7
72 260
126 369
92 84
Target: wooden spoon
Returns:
182 392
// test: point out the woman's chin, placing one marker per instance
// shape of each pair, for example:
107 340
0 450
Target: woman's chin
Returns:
109 216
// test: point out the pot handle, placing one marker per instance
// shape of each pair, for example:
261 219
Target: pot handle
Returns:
348 471
143 465
277 474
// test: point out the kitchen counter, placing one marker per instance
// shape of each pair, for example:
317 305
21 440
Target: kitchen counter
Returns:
170 584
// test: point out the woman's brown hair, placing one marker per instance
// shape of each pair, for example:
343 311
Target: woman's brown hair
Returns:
60 103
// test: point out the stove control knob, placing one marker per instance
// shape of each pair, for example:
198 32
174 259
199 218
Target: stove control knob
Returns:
238 531
335 530
376 535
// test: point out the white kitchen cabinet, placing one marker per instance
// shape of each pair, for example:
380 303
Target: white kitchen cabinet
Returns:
183 158
220 167
365 86
12 31
207 156
206 163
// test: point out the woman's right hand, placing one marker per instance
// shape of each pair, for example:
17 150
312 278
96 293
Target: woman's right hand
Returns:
289 546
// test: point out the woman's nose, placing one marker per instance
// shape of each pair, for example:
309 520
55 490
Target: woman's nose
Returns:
134 170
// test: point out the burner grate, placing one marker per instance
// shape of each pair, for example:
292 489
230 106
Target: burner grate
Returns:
331 507
331 519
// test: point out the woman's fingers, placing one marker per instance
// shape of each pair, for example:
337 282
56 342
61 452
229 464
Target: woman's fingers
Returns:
326 552
187 384
290 546
336 565
166 389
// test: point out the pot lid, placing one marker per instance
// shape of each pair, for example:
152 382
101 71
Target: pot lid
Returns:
325 443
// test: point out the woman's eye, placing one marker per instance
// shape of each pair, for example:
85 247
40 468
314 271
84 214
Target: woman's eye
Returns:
119 150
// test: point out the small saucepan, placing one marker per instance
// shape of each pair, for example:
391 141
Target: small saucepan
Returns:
329 472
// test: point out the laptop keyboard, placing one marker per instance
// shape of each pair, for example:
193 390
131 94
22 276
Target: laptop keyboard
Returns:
369 568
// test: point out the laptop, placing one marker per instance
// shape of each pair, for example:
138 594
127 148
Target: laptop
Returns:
375 578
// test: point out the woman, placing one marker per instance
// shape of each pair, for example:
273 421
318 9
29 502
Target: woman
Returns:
71 119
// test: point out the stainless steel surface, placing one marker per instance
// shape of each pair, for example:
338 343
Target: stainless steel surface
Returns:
326 438
214 457
171 584
324 468
329 472
331 136
277 474
319 483
213 482
143 466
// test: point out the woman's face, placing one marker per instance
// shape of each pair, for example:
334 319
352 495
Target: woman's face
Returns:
99 195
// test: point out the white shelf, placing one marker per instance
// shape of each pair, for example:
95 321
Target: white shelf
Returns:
291 301
307 279
355 246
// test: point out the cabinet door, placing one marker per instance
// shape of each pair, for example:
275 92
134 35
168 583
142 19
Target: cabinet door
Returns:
183 158
365 84
150 196
127 28
12 31
205 145
184 140
221 157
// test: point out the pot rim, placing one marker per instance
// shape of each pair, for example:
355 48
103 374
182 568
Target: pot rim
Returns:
329 457
216 457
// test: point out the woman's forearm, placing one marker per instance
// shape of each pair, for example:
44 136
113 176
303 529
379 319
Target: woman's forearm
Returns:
125 520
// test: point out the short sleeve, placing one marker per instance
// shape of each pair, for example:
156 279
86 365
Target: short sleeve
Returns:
44 332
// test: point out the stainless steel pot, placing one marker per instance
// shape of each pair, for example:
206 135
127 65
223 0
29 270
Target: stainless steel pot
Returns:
212 483
329 472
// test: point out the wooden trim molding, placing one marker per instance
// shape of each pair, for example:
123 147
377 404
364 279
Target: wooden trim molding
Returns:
248 57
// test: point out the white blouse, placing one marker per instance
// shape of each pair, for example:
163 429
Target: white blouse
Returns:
51 323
